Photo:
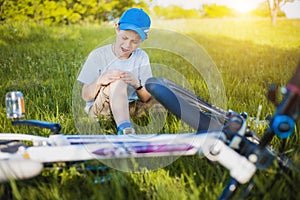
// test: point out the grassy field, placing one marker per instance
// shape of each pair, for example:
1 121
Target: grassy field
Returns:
43 62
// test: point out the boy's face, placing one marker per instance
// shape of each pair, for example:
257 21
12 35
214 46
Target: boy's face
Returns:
127 41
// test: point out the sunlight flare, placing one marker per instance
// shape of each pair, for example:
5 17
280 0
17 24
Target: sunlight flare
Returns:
243 6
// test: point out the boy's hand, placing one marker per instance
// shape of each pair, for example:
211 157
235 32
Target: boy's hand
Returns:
108 77
130 79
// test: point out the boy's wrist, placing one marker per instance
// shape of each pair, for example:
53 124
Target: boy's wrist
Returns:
138 88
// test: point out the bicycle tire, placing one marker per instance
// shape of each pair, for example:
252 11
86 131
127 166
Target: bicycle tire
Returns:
189 107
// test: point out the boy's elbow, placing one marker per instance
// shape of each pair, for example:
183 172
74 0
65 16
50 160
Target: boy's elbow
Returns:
85 94
85 98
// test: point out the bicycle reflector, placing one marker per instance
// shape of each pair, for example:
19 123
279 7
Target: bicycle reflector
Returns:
15 106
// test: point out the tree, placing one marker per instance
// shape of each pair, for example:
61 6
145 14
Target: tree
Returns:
65 11
274 7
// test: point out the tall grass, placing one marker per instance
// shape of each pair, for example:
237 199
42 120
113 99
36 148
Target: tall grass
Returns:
43 62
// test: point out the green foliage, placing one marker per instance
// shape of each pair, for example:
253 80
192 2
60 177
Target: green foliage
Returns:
210 11
214 10
97 11
65 11
43 62
175 12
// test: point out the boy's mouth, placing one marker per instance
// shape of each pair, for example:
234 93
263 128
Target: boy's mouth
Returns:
124 50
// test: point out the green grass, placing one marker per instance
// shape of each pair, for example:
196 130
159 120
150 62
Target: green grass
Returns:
43 62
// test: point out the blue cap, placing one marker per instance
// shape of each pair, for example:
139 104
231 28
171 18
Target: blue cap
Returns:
137 20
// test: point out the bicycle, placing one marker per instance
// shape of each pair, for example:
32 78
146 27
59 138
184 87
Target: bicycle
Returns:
220 136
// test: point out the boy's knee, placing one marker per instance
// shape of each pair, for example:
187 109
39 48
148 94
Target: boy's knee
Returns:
118 84
118 88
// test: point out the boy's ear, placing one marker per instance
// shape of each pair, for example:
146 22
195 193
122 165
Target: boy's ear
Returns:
117 27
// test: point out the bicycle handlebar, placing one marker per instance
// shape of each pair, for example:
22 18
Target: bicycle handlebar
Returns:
282 125
287 112
54 127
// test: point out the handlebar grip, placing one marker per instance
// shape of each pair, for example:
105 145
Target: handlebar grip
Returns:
294 83
291 99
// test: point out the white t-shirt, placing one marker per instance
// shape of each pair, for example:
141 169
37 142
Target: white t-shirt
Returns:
102 59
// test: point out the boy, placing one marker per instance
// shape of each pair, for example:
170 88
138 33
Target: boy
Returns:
114 75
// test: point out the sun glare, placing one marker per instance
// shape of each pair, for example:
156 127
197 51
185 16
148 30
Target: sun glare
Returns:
243 6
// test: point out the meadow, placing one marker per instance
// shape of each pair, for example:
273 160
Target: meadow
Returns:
249 54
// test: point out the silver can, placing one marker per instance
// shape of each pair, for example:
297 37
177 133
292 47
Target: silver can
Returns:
15 105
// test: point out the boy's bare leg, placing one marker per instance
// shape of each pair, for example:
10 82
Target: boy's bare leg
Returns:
119 101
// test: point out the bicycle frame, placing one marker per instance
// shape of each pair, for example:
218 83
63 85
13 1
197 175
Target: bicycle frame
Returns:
64 148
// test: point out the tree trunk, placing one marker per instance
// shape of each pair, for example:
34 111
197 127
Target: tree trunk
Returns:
273 8
273 17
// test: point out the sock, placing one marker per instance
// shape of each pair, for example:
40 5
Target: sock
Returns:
124 124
